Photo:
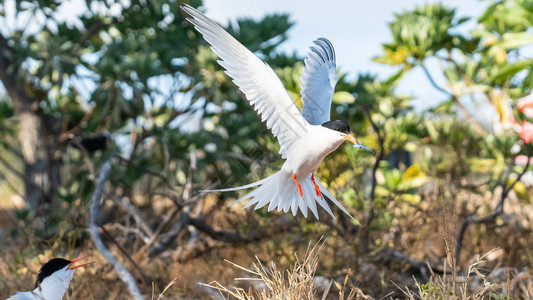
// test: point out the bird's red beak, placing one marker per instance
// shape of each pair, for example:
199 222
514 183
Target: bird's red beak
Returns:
350 137
71 266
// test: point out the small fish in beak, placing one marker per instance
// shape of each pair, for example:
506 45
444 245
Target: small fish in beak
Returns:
356 144
362 146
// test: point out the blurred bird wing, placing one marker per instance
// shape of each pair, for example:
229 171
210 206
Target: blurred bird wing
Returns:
256 79
318 82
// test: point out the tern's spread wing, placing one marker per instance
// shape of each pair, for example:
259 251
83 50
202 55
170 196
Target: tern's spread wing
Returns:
262 87
318 82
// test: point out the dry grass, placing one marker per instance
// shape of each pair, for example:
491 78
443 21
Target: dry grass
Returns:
452 286
171 283
299 282
296 283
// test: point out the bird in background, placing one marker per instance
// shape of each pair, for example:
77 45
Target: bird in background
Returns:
305 137
53 280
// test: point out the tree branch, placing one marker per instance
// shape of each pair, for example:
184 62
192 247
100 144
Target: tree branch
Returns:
122 272
433 82
381 138
220 238
455 99
469 220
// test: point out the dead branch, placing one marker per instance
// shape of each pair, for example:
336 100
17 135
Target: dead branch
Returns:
220 238
390 257
470 219
365 240
136 231
124 203
166 239
122 272
475 124
126 254
201 246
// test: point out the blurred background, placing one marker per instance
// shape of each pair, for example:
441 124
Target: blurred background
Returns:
440 91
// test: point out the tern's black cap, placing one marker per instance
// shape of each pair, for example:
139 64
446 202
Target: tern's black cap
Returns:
50 267
338 125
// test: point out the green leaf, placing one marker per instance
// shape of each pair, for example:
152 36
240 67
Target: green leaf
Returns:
392 57
392 179
488 13
509 70
395 78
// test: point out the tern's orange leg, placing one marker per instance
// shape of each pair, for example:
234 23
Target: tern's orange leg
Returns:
317 189
298 185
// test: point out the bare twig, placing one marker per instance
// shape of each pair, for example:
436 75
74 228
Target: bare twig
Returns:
469 220
122 201
165 239
455 99
381 153
126 254
136 231
122 272
415 266
220 238
67 134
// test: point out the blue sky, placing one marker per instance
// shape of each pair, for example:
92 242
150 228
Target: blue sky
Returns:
356 28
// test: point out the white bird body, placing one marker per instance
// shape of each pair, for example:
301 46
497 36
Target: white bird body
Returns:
317 142
306 137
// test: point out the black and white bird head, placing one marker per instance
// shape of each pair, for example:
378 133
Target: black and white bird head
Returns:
344 131
52 280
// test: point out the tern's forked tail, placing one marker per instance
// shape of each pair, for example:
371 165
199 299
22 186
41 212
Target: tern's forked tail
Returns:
280 191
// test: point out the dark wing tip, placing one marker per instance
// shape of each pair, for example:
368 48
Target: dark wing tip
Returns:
327 47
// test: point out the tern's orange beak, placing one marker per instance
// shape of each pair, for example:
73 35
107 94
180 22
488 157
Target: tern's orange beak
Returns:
71 266
350 137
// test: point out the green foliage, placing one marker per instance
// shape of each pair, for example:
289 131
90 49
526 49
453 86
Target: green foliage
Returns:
420 33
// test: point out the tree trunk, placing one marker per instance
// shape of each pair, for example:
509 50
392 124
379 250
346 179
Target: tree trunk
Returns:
39 144
38 136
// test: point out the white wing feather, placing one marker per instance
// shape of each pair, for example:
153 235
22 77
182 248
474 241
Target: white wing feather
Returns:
256 79
318 82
